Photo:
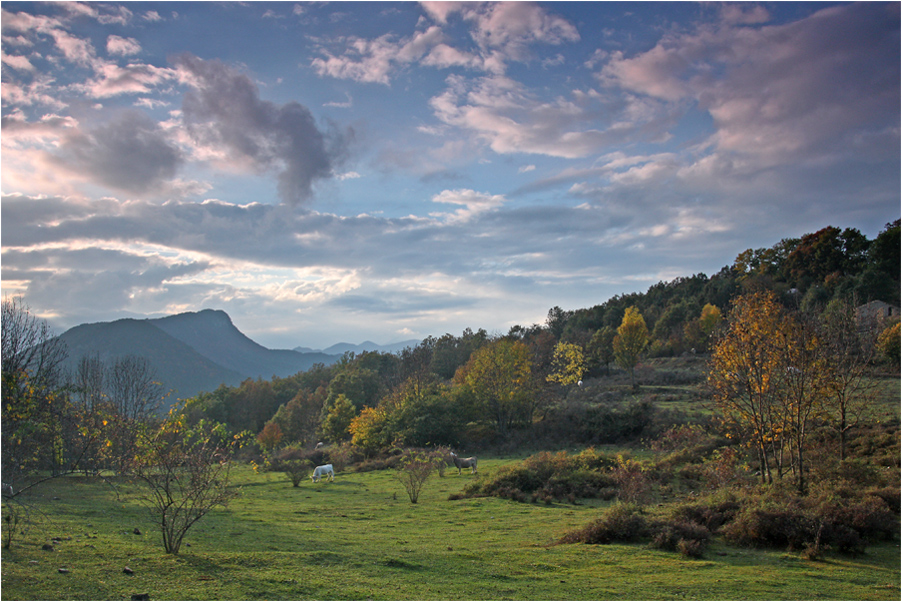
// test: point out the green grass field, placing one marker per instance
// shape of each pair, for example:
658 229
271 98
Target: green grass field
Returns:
361 538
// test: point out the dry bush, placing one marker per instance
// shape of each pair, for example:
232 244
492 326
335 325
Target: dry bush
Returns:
294 462
621 523
415 469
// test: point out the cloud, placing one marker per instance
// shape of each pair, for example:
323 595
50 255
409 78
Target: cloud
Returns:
374 60
129 153
223 110
122 46
17 62
500 33
113 80
509 118
474 203
783 92
512 26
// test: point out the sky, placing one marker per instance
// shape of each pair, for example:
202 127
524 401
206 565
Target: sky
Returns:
350 171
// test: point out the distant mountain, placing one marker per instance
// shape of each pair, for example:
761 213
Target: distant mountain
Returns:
212 334
342 348
191 352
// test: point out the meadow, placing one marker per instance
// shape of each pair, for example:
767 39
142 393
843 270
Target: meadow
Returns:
360 538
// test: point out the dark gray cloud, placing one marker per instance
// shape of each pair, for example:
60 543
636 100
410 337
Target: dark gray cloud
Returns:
130 153
223 109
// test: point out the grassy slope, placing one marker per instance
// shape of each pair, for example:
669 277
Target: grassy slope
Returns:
360 538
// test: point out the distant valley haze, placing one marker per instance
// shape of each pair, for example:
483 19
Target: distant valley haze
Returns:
375 171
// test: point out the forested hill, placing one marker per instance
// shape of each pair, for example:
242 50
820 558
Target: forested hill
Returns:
806 272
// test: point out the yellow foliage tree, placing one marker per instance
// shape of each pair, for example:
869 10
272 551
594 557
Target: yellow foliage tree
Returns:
500 376
568 364
368 430
745 372
630 341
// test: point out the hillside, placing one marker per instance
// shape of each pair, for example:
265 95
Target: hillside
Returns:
190 352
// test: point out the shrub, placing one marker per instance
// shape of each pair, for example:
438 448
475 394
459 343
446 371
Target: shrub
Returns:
692 548
712 514
294 462
551 475
755 527
689 539
869 517
622 522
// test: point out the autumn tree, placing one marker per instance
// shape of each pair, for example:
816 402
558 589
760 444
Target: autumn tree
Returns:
568 364
888 344
299 418
415 468
371 430
630 341
745 371
270 437
804 385
499 374
134 395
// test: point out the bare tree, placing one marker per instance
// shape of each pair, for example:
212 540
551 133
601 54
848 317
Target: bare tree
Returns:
133 388
415 469
186 471
134 395
91 405
33 400
850 350
89 383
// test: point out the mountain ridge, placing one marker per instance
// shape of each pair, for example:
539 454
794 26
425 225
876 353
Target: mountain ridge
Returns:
190 353
342 348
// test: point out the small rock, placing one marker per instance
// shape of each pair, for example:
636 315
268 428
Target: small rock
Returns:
128 571
47 547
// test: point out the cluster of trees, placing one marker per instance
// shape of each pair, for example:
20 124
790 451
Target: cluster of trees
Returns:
53 419
778 375
101 417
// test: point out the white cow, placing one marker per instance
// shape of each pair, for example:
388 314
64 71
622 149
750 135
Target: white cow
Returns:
320 471
464 463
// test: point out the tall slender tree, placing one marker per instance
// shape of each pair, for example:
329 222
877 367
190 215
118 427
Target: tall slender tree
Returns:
630 341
